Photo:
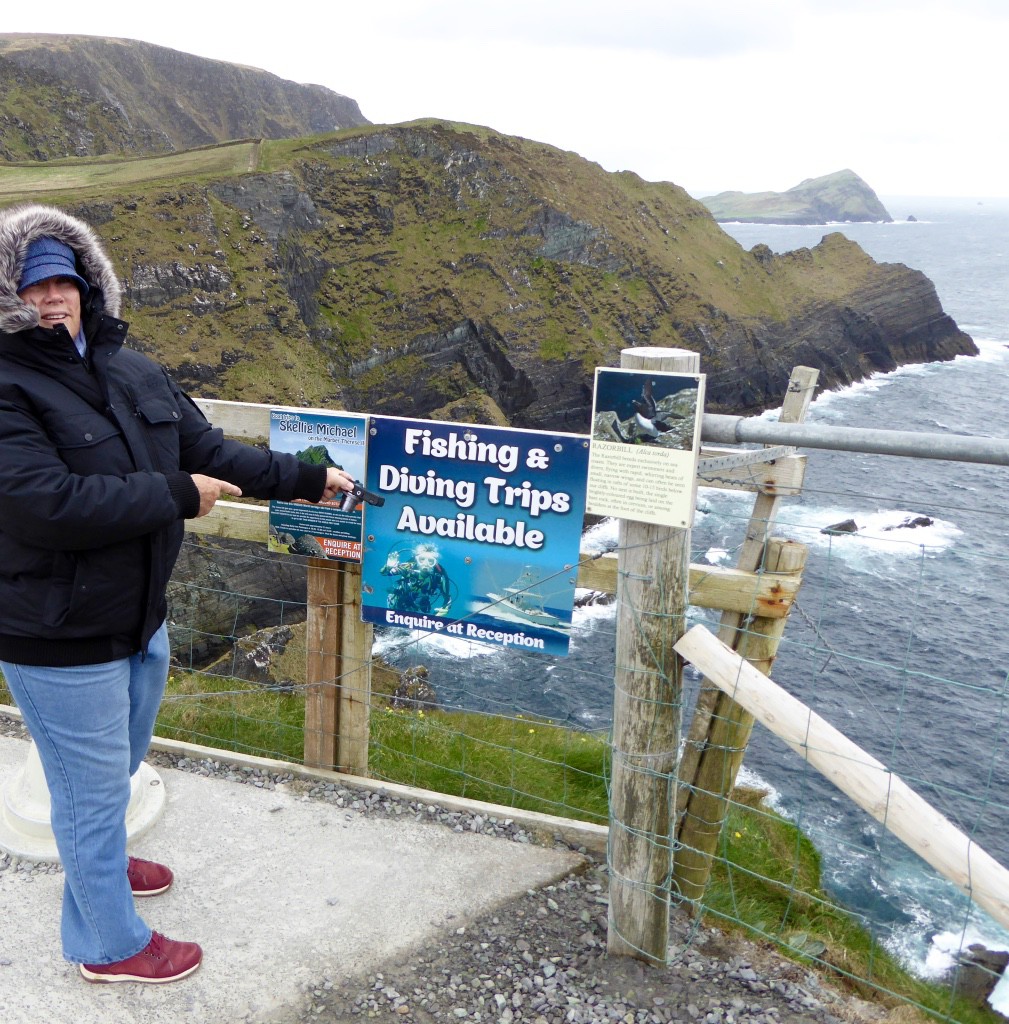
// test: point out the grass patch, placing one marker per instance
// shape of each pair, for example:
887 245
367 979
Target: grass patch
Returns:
555 344
219 711
28 179
520 762
766 878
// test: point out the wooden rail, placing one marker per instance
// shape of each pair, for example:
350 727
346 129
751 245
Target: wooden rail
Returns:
336 722
717 587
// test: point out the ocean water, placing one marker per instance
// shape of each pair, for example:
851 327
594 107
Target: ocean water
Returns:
917 617
901 637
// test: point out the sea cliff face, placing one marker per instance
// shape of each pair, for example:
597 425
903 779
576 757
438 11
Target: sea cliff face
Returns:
78 96
439 270
427 269
891 317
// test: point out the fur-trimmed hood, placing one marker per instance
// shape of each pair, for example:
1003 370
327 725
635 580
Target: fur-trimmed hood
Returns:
19 227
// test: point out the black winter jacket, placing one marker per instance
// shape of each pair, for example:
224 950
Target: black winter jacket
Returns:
95 463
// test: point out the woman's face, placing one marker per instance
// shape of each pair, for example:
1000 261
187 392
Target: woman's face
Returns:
58 302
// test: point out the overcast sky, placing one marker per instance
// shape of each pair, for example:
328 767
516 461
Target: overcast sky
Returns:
711 94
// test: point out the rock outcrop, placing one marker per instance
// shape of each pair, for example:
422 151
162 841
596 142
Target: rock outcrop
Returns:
224 590
977 973
833 198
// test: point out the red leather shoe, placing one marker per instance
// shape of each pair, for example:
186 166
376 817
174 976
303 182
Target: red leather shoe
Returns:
160 961
147 878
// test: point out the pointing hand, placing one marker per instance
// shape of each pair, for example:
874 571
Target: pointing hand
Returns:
211 489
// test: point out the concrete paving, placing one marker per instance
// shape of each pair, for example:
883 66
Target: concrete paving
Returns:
278 889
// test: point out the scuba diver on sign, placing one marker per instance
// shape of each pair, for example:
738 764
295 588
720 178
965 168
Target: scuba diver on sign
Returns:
422 585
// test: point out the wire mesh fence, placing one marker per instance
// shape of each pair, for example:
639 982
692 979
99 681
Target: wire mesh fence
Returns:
447 714
905 673
896 639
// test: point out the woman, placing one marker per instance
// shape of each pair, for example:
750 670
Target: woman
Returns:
102 459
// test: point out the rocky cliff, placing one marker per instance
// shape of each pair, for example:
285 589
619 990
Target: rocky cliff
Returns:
442 270
427 269
75 96
832 198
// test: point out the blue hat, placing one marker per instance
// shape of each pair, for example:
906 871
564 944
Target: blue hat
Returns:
47 257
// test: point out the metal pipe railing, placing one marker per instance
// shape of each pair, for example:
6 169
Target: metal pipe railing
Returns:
993 451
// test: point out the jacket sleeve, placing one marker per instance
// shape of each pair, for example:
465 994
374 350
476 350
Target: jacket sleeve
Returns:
259 472
44 503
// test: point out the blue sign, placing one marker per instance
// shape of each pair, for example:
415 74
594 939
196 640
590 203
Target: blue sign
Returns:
479 534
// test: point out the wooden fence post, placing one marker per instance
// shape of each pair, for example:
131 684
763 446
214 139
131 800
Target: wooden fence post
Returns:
728 734
353 678
652 598
338 695
801 385
322 639
710 708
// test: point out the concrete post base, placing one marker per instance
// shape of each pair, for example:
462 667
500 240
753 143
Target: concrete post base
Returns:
25 832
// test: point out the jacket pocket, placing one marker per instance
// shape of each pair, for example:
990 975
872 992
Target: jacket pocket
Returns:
86 443
81 430
60 593
159 416
95 593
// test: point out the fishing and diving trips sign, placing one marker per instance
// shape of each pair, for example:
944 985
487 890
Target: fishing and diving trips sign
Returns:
479 534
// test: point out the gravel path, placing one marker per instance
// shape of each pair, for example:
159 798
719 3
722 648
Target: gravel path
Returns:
541 958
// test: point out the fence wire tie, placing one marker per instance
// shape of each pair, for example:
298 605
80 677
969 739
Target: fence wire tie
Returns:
637 576
644 756
662 844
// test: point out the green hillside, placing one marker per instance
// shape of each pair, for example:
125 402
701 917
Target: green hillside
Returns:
436 269
83 96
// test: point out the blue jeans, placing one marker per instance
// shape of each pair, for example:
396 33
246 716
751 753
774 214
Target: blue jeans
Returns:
92 725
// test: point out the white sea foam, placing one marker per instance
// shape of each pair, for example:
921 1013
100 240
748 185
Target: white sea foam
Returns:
750 779
990 350
999 999
941 955
732 503
941 924
601 537
716 556
874 382
910 945
588 614
880 534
